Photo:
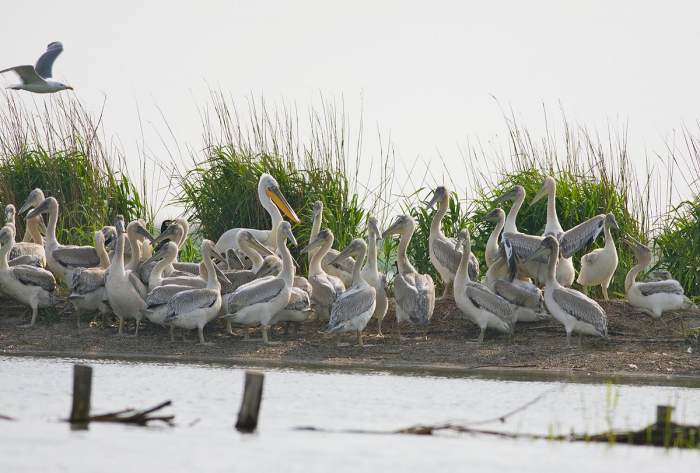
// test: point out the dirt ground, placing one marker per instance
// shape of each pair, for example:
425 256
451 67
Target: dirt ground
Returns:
636 345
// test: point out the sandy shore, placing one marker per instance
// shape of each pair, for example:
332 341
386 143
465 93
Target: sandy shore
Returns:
638 346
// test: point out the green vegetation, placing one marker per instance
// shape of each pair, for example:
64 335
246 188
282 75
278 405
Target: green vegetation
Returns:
679 241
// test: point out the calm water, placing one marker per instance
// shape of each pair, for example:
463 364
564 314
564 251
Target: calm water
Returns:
38 391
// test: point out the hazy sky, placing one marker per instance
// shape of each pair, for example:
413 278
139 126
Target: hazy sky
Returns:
424 72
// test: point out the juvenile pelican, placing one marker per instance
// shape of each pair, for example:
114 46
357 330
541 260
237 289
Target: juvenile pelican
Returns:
444 254
254 250
371 274
655 297
492 250
125 291
28 285
353 308
476 301
577 312
272 200
598 267
60 259
87 285
517 196
326 288
414 293
38 78
526 299
33 230
259 301
341 269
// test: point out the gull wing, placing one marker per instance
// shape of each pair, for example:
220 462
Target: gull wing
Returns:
45 62
26 73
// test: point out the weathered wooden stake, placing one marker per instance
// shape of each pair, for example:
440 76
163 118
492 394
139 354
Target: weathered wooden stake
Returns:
663 416
82 390
250 405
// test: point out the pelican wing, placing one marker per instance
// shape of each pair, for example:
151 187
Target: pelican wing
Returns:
520 295
345 264
138 285
76 256
590 258
582 308
351 304
482 297
298 300
580 236
238 279
415 294
446 254
27 74
191 268
27 260
187 301
86 280
519 246
162 294
251 294
45 62
34 276
668 286
323 290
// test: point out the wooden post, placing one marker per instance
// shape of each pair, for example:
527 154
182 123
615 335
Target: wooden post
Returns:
250 405
663 416
82 390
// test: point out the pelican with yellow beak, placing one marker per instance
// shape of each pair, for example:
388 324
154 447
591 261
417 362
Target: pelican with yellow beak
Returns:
272 200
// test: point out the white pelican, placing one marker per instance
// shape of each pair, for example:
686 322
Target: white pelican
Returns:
598 267
371 274
32 233
353 308
414 293
38 78
125 291
576 311
60 259
29 285
272 200
476 301
341 269
87 285
325 288
444 254
655 297
565 267
259 301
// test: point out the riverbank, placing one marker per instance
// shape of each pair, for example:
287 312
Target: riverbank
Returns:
638 347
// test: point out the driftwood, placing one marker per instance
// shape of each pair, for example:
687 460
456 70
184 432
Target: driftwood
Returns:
136 417
4 417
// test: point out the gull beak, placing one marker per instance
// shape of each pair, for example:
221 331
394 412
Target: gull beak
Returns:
280 201
540 195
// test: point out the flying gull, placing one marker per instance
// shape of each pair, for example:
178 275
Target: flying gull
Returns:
38 78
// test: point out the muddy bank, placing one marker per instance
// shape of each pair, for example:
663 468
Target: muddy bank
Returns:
638 346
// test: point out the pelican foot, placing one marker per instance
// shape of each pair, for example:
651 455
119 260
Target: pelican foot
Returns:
207 344
271 343
26 325
342 345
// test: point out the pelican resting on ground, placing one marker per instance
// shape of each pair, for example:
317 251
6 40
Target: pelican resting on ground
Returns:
576 311
371 274
353 308
38 78
33 233
165 256
444 254
598 267
259 301
414 293
125 291
325 288
28 285
657 297
87 285
476 301
341 269
272 200
526 299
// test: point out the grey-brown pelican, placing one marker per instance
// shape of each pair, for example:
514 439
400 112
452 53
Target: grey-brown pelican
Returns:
655 297
476 301
259 301
371 274
492 251
526 298
28 285
444 255
341 269
326 288
87 285
577 312
598 267
517 196
414 293
33 233
353 308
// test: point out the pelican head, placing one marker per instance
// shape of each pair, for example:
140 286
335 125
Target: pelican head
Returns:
463 239
119 224
247 238
109 233
517 192
173 232
7 235
35 197
611 222
403 224
440 194
641 252
285 229
496 215
42 207
167 251
548 247
549 185
323 237
271 265
270 190
357 248
373 228
317 209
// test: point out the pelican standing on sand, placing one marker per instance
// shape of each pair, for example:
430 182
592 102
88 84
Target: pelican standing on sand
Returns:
371 274
444 255
598 267
577 312
325 288
657 297
414 293
87 285
38 78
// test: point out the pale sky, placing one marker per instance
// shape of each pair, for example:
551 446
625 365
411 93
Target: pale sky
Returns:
423 73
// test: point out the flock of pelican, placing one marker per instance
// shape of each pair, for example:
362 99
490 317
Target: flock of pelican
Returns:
248 277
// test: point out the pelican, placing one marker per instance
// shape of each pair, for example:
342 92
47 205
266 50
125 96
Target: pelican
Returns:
414 293
353 308
371 274
39 78
125 291
166 255
87 285
492 252
60 259
32 235
565 267
657 297
28 285
137 234
598 266
325 288
259 301
341 269
272 200
444 255
517 196
526 298
272 265
577 312
253 249
476 301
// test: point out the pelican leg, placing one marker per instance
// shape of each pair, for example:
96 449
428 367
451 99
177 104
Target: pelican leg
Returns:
136 332
359 338
266 334
447 291
568 339
200 331
121 326
379 328
482 332
580 338
398 331
229 327
172 333
604 287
